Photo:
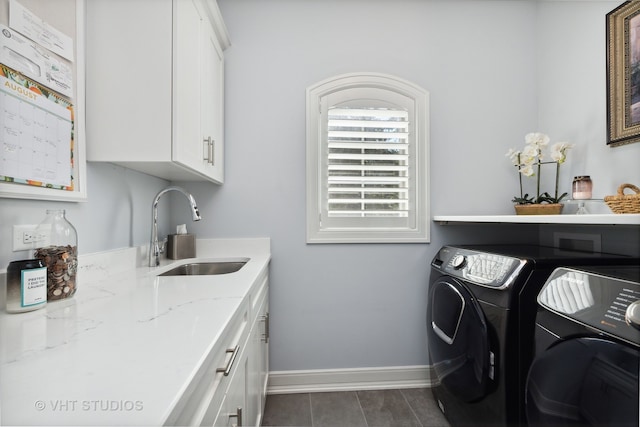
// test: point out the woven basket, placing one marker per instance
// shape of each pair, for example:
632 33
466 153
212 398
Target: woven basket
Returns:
624 203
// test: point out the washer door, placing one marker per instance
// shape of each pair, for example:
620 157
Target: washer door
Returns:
458 340
585 382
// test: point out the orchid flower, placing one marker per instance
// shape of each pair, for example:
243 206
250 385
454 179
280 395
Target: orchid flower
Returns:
531 158
559 151
514 156
529 155
527 170
537 139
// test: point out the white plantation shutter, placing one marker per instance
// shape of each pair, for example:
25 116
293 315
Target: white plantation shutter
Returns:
368 162
367 154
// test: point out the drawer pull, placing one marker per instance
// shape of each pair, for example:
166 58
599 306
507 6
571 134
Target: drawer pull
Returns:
265 336
234 353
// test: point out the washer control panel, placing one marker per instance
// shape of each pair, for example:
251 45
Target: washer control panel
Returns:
603 303
482 268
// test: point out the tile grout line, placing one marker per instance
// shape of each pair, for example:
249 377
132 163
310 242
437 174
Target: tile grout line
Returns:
361 409
310 408
411 408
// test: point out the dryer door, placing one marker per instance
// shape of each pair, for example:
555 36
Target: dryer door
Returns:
458 339
585 382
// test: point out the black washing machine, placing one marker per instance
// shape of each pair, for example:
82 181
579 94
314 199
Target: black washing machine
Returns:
587 341
480 326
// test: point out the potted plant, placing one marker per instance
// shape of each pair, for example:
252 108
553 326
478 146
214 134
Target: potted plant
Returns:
529 162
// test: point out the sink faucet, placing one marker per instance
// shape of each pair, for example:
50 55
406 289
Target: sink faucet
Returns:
154 247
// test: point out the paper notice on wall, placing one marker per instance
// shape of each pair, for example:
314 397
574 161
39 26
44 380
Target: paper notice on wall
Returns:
28 58
36 134
32 26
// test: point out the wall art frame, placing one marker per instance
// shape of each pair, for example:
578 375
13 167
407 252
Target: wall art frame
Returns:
623 74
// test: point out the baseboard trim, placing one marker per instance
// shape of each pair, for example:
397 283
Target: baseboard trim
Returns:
323 380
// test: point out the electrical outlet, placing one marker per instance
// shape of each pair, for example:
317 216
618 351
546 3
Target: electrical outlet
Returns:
25 237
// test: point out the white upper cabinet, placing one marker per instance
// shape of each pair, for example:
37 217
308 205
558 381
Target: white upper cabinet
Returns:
155 87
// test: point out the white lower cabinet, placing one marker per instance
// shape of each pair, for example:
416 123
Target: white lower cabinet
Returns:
230 387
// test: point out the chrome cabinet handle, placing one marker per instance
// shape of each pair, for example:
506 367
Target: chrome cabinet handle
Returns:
234 353
265 336
212 158
209 150
237 415
206 150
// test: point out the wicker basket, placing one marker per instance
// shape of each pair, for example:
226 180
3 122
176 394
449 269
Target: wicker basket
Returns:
624 203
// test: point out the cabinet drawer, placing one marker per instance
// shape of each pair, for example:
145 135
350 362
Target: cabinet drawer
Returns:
233 408
201 401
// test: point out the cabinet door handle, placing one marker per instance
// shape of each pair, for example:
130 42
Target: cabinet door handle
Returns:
237 415
234 353
209 150
265 336
206 152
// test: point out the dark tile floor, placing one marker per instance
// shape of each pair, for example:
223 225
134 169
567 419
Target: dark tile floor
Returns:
369 408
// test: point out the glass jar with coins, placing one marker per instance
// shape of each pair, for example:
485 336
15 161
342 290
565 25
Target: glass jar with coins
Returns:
58 250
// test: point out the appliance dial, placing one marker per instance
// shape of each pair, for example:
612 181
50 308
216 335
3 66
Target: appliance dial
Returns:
458 261
632 315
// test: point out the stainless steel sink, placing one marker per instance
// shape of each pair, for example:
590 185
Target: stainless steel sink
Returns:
205 268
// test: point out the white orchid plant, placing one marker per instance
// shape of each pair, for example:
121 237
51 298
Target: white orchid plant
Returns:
529 162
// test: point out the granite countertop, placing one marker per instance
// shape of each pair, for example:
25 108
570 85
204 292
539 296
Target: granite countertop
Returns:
127 345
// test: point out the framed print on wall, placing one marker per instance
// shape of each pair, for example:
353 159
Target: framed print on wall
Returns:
623 74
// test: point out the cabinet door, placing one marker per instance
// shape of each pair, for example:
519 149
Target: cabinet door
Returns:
264 357
212 104
197 93
258 362
188 27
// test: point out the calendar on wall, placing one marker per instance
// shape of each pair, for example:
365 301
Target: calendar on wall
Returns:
36 133
42 100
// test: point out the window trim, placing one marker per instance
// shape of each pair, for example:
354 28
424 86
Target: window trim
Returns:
420 232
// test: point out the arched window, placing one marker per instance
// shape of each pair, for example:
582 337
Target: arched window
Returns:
367 160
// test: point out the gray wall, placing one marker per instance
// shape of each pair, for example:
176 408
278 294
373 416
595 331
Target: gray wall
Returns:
343 306
571 91
117 213
495 70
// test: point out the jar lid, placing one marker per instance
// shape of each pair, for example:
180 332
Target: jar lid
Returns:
25 264
581 177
